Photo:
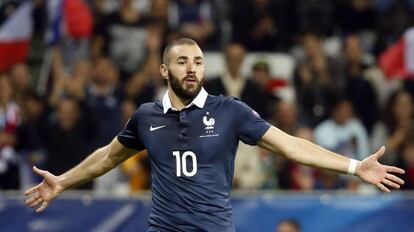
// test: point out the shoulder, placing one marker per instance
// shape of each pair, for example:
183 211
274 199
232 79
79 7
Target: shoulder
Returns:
221 99
326 125
148 108
356 124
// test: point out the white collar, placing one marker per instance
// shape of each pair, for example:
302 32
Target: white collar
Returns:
199 101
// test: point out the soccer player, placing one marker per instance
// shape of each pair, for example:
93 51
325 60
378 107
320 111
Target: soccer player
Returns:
191 138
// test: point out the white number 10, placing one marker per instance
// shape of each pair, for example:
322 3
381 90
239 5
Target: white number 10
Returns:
182 162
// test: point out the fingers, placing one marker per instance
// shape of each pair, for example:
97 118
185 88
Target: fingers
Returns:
35 202
391 181
383 188
394 169
380 153
39 171
394 179
391 184
42 207
31 190
31 199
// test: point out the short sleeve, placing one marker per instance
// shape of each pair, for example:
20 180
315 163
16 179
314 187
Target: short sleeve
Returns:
129 136
250 126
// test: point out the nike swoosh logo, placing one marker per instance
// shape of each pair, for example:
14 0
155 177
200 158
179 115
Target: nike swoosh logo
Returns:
156 128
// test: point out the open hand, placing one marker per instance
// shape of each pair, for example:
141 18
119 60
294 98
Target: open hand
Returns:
43 193
371 171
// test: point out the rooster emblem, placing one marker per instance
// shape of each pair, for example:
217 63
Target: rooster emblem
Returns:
209 122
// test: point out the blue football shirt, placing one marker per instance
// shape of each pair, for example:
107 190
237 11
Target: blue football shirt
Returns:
192 154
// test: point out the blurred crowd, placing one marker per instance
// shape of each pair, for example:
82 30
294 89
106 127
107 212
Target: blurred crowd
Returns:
341 98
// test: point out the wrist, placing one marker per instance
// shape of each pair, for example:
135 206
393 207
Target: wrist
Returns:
353 167
60 185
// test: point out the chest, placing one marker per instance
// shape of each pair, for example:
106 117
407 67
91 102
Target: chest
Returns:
207 133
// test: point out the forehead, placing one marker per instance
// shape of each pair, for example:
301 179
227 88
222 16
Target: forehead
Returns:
189 51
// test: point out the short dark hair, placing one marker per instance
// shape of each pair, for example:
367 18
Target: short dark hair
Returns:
180 41
292 222
261 65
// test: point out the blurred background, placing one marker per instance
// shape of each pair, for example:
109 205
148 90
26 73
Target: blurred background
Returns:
339 73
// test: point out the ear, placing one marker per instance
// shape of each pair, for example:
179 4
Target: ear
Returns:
164 71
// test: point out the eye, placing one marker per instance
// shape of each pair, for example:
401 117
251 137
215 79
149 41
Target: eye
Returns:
181 62
199 63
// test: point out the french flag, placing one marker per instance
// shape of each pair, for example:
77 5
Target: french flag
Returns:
68 18
398 60
15 36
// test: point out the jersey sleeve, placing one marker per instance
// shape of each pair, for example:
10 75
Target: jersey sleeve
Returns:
129 136
250 126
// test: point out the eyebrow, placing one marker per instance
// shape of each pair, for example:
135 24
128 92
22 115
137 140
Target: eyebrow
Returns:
186 58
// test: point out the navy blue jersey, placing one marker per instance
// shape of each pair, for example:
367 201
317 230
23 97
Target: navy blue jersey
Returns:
192 154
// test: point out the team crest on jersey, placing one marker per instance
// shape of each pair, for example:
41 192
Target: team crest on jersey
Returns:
209 123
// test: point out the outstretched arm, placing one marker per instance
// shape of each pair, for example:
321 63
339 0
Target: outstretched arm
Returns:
305 152
96 164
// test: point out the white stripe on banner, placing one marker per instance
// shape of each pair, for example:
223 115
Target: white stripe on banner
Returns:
409 50
112 222
18 26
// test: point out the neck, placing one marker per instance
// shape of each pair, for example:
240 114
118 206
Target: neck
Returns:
177 102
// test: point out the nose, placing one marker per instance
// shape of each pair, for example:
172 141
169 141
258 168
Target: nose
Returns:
190 67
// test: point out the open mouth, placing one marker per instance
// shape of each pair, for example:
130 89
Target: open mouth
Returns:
190 80
193 81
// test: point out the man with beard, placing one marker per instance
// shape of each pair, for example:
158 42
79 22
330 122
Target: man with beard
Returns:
191 138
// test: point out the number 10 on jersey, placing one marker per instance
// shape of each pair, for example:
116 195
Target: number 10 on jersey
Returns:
181 163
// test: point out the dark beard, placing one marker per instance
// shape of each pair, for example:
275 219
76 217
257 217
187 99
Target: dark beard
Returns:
183 94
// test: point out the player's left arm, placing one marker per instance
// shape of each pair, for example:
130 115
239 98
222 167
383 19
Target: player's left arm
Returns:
307 153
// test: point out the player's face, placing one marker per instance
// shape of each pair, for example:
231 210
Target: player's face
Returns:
186 71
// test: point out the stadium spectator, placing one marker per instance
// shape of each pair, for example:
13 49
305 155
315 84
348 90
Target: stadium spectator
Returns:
103 103
267 27
357 88
121 36
103 99
406 160
317 79
232 83
196 19
68 84
396 124
315 16
393 18
69 137
269 86
145 84
355 16
31 134
21 79
344 134
10 118
289 174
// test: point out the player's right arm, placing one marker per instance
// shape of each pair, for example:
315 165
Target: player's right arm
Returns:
95 165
